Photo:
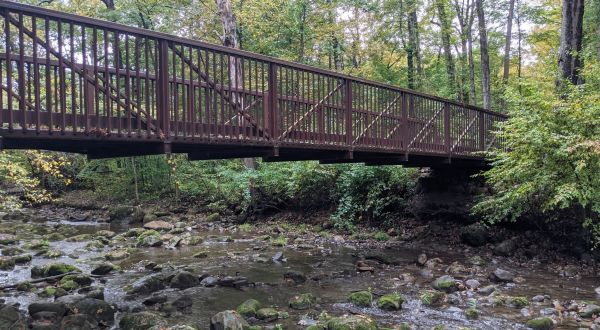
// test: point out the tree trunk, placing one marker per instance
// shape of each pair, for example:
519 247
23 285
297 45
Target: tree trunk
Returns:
230 39
412 46
446 31
464 13
485 58
519 46
571 35
110 4
511 11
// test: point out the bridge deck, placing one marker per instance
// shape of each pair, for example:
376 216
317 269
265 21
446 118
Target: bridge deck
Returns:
70 83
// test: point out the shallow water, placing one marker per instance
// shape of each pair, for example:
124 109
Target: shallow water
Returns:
336 260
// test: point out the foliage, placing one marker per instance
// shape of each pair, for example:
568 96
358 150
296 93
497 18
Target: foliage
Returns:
372 194
552 161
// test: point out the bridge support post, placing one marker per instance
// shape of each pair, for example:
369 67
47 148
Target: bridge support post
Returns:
162 88
447 142
348 106
481 131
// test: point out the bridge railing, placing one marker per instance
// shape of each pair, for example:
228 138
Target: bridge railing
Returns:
66 75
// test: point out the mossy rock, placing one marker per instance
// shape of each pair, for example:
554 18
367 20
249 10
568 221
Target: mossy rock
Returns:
405 326
22 259
81 279
105 233
37 244
390 302
353 322
541 323
24 286
7 263
303 301
53 254
80 238
267 314
445 283
69 285
249 308
361 298
518 302
59 269
213 217
201 254
433 298
134 232
472 314
53 237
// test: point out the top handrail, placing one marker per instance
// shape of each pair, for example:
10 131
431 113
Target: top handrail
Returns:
38 11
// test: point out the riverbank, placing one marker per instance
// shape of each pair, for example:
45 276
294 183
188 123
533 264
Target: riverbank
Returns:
176 265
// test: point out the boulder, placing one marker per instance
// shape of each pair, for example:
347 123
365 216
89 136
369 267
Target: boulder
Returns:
10 318
184 280
294 276
352 322
474 235
227 320
445 283
390 302
116 255
96 310
6 239
76 322
433 298
506 248
58 269
361 298
302 301
267 314
540 323
158 225
103 269
147 285
58 308
249 308
589 310
7 263
141 321
501 275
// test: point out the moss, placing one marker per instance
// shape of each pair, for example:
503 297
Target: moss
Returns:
279 241
248 308
59 269
213 217
37 244
390 302
303 301
69 285
381 236
405 326
432 298
518 302
445 283
267 314
147 233
361 298
24 286
53 254
354 322
7 263
541 323
80 238
201 254
472 314
22 259
53 237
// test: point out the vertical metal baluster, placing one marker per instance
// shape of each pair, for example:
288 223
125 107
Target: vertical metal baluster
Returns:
36 75
138 87
128 86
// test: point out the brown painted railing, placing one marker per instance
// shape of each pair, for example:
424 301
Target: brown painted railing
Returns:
66 75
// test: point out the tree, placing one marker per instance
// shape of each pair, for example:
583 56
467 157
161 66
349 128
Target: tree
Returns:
413 53
445 33
511 12
465 14
571 38
230 39
485 58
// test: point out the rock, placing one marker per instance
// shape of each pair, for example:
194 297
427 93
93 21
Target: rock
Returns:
518 302
456 268
472 284
10 318
267 314
422 259
541 323
433 298
209 281
295 276
158 225
249 308
103 269
76 322
179 303
96 310
278 257
213 217
487 290
589 311
141 321
147 285
22 259
501 275
58 269
149 238
201 254
7 263
138 214
474 235
302 301
55 307
506 248
184 280
149 217
445 283
433 263
426 273
7 239
227 320
471 314
116 255
352 322
454 299
120 212
390 302
361 298
539 298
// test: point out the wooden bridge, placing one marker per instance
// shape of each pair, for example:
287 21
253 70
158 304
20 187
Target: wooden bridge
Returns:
76 84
